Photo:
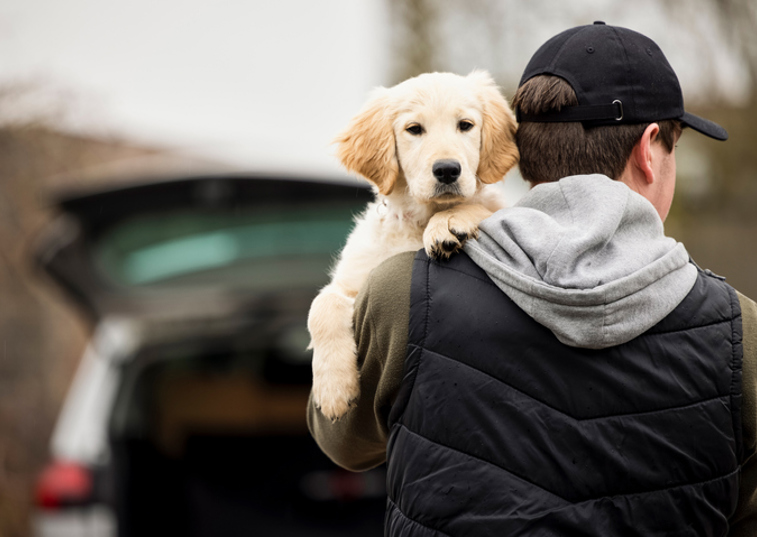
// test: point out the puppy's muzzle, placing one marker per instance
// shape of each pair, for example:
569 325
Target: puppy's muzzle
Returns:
446 171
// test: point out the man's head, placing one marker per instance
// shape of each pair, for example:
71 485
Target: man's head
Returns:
587 98
551 151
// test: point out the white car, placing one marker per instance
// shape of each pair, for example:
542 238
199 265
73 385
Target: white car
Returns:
187 413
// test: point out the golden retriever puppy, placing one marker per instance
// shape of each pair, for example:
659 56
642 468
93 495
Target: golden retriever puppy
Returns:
429 146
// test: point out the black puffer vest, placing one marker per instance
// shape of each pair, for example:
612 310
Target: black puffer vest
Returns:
501 430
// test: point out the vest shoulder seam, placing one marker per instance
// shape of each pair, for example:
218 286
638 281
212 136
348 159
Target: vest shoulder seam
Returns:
421 348
737 366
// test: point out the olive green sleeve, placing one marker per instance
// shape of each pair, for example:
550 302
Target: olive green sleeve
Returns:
357 441
744 521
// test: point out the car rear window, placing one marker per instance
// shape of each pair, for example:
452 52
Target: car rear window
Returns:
264 248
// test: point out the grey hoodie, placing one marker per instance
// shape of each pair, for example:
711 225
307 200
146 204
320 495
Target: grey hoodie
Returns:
586 257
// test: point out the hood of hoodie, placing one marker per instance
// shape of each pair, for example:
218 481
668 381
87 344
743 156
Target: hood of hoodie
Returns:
586 257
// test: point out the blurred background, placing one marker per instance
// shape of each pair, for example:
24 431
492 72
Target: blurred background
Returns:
96 92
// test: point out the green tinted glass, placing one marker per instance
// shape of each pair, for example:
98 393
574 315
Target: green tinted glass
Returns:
275 246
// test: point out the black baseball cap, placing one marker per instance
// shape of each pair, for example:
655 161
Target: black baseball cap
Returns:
619 76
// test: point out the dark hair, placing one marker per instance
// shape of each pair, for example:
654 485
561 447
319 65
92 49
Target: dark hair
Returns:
551 151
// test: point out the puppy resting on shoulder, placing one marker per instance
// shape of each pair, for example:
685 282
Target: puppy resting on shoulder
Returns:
430 146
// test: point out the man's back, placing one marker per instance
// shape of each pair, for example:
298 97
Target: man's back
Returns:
494 412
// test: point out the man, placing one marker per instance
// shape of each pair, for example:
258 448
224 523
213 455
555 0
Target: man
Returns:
575 373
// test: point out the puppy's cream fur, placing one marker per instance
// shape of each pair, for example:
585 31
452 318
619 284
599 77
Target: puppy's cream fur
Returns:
394 142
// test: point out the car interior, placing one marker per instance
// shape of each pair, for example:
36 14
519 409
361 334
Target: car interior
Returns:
210 439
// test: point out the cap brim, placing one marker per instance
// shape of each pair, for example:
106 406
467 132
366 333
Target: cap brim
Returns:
705 126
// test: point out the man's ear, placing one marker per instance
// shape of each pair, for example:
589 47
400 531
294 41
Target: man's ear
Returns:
642 152
367 145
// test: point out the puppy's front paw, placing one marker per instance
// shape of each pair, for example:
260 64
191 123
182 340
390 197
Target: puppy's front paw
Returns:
336 383
441 242
445 235
448 230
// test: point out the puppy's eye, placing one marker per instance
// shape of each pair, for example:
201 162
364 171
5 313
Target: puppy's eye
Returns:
465 125
415 129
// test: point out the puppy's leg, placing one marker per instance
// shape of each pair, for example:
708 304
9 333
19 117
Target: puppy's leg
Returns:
335 374
448 230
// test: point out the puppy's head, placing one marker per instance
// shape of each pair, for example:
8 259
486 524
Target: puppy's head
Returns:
447 134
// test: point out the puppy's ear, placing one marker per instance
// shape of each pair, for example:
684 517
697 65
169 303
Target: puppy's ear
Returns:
498 150
367 144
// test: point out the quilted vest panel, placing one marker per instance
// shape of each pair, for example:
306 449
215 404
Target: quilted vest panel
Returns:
499 429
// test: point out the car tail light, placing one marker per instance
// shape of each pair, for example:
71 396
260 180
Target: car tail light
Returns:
341 485
63 484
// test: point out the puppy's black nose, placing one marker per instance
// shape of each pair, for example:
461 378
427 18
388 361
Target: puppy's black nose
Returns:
446 171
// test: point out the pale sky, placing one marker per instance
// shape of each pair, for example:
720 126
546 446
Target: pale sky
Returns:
266 85
260 84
